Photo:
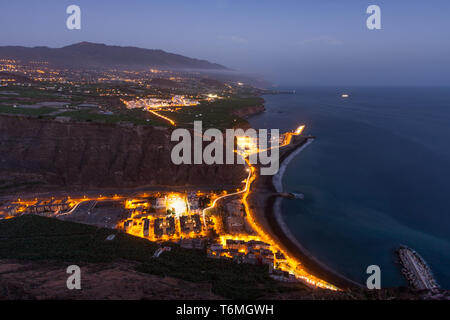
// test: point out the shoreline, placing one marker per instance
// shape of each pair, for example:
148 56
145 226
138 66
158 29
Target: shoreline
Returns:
267 206
277 179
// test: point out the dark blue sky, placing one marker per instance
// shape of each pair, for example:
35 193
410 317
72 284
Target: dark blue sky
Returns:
311 42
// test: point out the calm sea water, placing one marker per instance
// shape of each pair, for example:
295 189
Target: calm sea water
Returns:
377 176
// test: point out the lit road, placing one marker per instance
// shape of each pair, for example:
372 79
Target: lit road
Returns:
293 263
89 202
161 116
247 186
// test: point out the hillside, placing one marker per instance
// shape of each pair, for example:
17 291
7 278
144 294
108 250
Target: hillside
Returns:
46 243
88 55
35 251
44 153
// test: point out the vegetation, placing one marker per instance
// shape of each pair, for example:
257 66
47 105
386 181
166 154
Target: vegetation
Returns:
26 111
218 114
6 185
134 116
28 92
36 238
229 279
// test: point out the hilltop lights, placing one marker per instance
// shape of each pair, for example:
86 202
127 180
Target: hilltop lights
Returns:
211 97
153 105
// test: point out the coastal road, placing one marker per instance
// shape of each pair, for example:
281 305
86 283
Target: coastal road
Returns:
262 199
247 185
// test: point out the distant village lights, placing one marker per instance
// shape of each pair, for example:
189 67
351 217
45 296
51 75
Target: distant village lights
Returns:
154 103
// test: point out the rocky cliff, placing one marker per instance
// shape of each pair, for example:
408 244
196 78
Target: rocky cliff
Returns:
81 155
250 111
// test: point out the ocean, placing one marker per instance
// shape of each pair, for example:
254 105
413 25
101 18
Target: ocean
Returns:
376 176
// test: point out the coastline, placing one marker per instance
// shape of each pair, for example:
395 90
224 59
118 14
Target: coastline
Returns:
266 203
277 179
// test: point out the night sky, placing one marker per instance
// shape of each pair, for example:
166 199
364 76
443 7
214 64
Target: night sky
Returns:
313 42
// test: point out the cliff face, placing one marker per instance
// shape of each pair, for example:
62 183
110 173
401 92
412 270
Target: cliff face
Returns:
78 155
249 111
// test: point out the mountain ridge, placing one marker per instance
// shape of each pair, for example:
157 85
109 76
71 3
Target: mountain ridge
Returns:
89 54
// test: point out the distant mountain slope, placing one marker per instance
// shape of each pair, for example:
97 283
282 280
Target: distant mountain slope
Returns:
86 54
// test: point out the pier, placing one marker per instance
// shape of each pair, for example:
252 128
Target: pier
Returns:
415 270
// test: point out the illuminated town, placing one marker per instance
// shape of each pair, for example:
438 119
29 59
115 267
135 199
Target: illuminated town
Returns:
224 158
222 223
114 95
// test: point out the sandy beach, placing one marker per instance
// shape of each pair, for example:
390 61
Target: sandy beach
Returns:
266 205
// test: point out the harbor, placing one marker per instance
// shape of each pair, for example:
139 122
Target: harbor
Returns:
415 269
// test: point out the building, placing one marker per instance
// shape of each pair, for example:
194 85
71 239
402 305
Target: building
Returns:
146 227
157 229
164 226
193 201
280 257
170 229
190 224
192 243
235 224
257 245
236 244
266 256
281 275
158 203
250 258
241 251
127 225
